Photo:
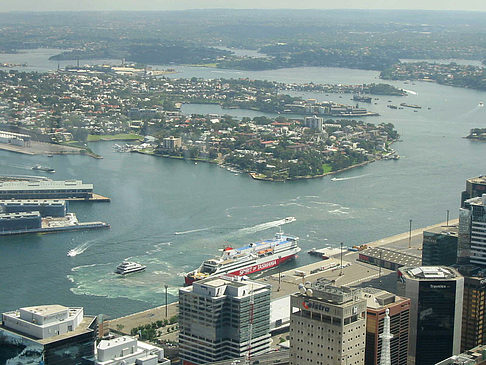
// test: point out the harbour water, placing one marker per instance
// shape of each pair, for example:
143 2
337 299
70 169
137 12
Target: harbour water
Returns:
170 215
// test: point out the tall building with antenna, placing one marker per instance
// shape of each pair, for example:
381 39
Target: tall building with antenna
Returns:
380 305
327 325
223 318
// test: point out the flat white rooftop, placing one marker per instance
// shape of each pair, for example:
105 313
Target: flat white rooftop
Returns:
431 272
44 185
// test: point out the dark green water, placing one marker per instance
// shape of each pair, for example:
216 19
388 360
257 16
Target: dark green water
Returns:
170 215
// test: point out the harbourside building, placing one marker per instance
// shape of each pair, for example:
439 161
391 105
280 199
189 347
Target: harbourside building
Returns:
46 207
327 325
22 221
475 187
440 246
378 302
388 259
436 294
15 139
128 351
223 318
472 232
67 189
48 334
172 143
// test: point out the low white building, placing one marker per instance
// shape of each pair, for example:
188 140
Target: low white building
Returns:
128 350
43 321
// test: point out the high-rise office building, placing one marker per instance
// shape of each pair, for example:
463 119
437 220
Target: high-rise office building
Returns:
439 246
48 334
474 307
436 294
378 302
223 318
327 325
472 232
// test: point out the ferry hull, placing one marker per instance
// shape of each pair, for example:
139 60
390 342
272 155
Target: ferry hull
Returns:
248 270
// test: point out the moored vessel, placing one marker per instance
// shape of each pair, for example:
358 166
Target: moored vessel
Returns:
43 168
248 259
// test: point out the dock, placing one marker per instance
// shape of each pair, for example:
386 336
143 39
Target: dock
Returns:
352 273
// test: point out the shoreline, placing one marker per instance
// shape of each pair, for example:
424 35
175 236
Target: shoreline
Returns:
56 149
288 284
256 176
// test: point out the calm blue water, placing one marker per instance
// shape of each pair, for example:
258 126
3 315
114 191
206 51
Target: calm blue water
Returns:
170 215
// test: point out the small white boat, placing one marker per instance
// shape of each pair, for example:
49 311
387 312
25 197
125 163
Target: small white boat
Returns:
127 267
290 219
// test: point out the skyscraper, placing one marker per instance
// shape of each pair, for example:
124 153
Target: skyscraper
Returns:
327 325
474 307
472 232
378 302
223 318
436 294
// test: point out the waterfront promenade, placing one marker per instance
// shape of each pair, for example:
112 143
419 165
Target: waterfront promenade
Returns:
353 273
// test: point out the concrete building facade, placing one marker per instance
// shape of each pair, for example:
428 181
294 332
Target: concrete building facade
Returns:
377 302
436 294
128 351
223 318
172 143
327 325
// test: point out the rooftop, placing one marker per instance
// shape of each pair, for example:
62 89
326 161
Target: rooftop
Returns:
480 200
478 180
44 185
326 289
19 215
445 230
32 201
430 272
397 257
45 310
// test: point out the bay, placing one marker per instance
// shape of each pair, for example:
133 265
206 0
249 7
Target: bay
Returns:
171 215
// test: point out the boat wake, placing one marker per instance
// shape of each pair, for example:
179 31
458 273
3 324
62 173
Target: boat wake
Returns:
264 226
158 247
192 231
348 178
410 91
79 250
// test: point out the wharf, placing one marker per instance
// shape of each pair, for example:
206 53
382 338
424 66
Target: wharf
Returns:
353 273
94 198
51 224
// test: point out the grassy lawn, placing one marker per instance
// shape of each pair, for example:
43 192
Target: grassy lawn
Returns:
113 137
326 168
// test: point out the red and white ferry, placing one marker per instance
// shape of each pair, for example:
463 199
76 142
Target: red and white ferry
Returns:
248 259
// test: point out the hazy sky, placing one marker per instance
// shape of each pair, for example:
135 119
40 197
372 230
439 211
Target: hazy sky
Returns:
48 5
